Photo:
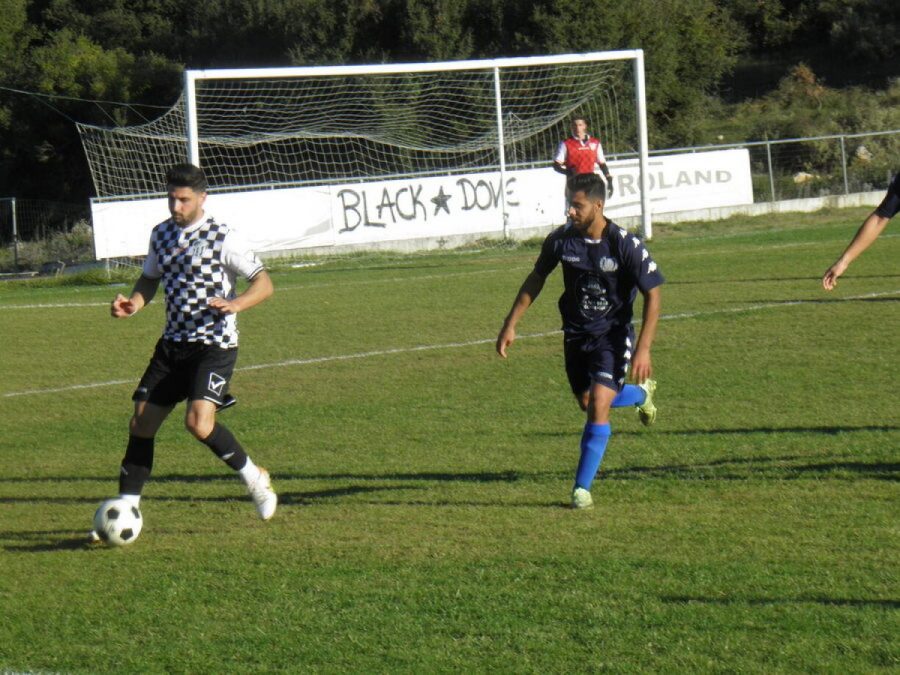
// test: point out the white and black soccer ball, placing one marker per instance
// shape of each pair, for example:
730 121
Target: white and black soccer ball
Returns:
118 522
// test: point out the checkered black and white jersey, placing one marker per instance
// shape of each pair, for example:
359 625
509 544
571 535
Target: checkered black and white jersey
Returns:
194 264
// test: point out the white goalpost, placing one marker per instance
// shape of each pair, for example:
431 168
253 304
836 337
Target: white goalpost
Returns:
489 125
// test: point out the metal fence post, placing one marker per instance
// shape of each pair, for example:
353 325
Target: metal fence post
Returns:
15 236
844 166
771 172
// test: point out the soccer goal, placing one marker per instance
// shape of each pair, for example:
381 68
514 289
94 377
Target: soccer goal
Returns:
484 124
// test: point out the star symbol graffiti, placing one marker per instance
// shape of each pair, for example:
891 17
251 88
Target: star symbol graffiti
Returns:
440 201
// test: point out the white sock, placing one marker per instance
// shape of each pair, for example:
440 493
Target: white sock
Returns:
134 500
250 473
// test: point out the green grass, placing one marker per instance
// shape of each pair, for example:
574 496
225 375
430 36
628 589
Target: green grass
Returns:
423 480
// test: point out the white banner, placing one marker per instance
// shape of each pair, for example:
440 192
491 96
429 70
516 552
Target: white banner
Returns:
429 208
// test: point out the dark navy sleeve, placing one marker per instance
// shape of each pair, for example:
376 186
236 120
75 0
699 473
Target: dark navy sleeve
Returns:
640 262
891 203
549 257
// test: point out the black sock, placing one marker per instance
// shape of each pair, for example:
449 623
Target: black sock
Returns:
225 445
136 465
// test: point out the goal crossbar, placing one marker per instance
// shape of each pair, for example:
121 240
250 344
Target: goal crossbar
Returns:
192 77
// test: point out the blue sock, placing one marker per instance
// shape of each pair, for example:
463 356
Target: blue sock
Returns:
593 445
631 394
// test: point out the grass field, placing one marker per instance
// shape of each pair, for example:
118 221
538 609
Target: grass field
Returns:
424 481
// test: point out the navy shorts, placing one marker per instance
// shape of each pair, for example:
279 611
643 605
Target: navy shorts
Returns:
603 359
186 370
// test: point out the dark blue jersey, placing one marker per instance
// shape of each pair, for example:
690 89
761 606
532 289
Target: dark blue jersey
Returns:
891 203
601 277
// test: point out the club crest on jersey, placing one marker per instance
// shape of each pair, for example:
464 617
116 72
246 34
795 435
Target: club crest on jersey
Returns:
216 383
198 247
608 264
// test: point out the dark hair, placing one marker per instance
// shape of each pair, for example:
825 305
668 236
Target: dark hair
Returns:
588 183
187 175
579 117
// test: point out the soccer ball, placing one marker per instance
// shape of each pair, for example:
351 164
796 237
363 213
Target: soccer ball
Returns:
118 522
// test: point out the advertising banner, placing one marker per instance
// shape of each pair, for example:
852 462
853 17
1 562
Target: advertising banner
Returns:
286 219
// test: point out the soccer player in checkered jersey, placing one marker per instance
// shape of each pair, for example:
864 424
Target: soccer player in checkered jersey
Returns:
867 233
197 259
582 153
604 267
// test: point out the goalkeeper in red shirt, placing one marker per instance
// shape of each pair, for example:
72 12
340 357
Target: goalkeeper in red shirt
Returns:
582 153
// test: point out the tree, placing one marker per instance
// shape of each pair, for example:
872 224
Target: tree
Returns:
689 45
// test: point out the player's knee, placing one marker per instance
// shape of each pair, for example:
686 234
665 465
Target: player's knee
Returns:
139 426
583 399
199 426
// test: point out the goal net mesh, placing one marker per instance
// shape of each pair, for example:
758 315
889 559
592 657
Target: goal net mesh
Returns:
285 131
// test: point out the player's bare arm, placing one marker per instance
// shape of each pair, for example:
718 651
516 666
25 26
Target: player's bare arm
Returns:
259 289
868 232
141 295
528 293
641 364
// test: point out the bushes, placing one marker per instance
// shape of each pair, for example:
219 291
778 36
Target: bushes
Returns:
73 246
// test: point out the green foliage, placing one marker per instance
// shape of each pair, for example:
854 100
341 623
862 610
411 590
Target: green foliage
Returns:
72 246
12 27
438 28
134 52
689 45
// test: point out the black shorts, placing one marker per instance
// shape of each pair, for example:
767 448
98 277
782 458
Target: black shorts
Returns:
603 359
186 370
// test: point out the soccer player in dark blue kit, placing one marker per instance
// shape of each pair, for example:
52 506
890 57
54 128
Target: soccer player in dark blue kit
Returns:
604 267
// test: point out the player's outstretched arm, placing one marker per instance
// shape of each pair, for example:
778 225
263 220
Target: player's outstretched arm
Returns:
528 293
865 235
641 364
141 295
259 289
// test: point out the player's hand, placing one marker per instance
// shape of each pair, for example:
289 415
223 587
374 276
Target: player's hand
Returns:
609 187
505 339
829 280
122 307
224 306
641 366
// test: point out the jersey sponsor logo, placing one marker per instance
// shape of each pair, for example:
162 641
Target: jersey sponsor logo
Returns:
608 264
571 258
216 383
592 300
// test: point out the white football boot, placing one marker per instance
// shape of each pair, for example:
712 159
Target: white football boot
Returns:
263 495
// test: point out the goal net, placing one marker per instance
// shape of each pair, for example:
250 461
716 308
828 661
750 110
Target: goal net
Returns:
267 128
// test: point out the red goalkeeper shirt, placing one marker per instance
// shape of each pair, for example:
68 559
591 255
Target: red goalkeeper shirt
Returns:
580 155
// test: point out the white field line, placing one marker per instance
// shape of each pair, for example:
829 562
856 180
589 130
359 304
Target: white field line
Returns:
446 345
431 277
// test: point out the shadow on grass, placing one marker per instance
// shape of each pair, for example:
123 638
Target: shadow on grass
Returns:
730 468
42 541
478 477
763 602
746 431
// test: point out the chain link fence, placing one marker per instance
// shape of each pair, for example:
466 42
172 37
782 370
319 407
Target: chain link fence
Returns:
797 168
45 236
38 235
